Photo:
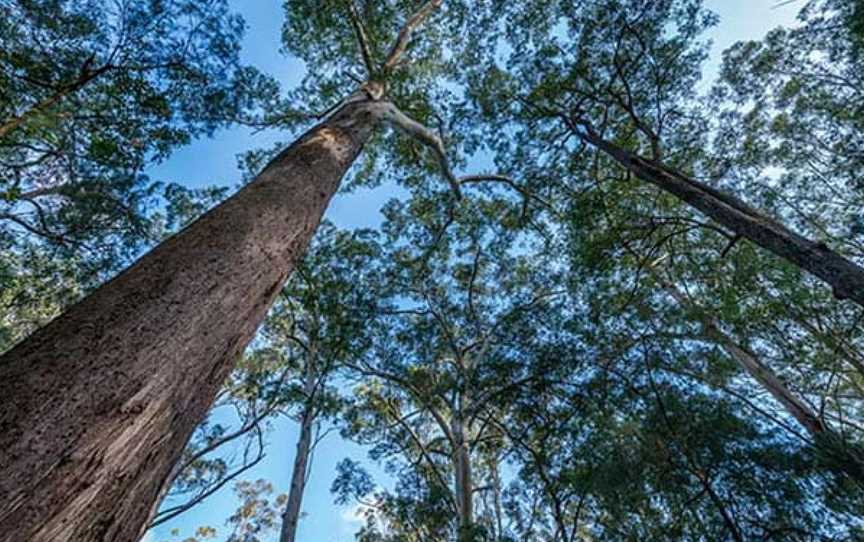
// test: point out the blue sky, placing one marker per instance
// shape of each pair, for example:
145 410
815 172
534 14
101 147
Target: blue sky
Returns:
213 161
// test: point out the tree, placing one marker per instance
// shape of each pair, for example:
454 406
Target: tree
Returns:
94 91
458 339
623 84
97 383
322 314
136 365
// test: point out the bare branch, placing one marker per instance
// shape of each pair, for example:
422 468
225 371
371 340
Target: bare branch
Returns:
405 34
362 38
395 116
175 511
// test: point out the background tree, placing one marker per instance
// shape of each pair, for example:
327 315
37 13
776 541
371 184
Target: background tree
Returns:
457 340
92 93
624 85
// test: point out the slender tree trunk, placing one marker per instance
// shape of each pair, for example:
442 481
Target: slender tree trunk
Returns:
845 277
496 488
464 483
291 515
40 107
761 373
837 452
13 123
96 407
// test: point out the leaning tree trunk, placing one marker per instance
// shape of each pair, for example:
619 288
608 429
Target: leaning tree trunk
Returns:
42 106
98 405
836 452
845 277
757 370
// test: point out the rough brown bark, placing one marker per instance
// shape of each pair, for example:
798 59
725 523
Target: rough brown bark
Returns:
96 407
845 277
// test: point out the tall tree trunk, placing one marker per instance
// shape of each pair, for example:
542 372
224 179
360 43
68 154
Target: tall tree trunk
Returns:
291 515
98 405
845 277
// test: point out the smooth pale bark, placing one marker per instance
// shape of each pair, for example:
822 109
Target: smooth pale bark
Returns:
98 405
838 454
496 495
291 515
845 277
463 480
760 372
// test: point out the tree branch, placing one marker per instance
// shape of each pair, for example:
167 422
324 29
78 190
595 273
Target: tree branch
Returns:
405 34
362 38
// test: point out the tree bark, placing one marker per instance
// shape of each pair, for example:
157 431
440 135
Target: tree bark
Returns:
464 485
291 515
96 407
845 277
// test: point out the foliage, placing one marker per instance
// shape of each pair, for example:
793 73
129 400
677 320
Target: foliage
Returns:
552 356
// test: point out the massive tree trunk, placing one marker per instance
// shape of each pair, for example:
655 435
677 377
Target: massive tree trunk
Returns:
98 405
845 277
291 515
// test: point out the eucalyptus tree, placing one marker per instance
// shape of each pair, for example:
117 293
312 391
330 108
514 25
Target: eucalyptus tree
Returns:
652 265
468 315
660 459
801 80
615 82
135 365
323 313
319 321
90 93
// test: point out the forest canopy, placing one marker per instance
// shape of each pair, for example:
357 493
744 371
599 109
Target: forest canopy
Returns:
616 291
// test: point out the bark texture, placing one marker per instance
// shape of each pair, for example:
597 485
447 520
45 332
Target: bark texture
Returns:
98 405
845 277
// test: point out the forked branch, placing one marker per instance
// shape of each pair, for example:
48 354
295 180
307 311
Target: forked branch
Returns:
389 112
